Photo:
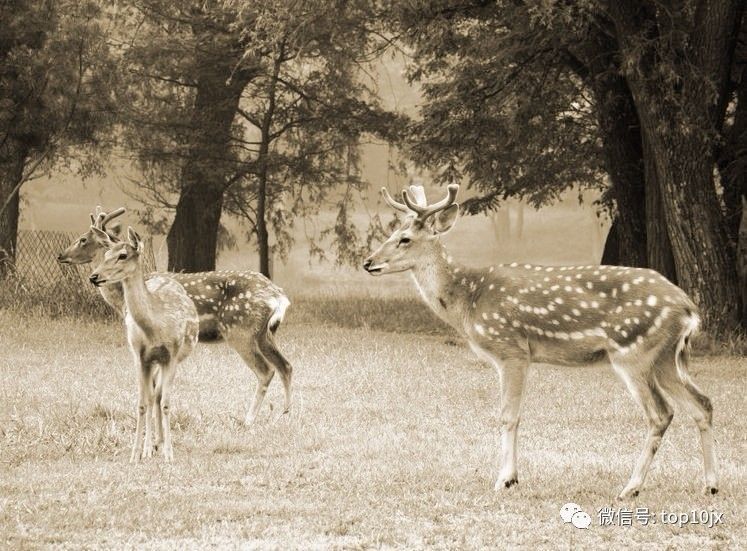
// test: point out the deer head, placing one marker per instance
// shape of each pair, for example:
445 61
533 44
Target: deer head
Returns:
417 238
121 259
84 249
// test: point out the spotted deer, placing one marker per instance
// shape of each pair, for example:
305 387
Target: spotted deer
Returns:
516 314
162 330
242 308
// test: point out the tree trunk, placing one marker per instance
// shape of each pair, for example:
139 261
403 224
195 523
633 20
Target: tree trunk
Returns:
733 162
703 256
621 145
622 150
611 253
677 122
193 237
658 246
263 235
11 171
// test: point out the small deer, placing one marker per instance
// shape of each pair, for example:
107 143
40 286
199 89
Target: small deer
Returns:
243 308
516 314
162 330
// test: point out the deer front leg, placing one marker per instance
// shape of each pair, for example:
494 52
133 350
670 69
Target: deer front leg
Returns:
142 414
157 422
150 415
168 373
513 375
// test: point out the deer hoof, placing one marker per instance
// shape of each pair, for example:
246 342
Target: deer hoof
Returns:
507 483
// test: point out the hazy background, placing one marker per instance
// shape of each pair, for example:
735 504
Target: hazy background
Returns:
568 232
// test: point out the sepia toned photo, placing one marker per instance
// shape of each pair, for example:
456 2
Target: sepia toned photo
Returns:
349 274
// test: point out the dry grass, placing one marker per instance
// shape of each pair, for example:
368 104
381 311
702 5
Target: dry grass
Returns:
392 442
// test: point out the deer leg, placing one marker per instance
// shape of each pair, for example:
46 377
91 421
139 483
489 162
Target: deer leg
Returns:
646 391
247 349
167 379
142 414
272 355
149 421
689 397
157 423
513 377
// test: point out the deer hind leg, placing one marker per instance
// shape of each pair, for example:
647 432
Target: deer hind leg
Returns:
273 356
677 384
646 391
167 379
246 347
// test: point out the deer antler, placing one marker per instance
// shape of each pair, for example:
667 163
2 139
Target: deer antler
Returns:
392 202
100 219
426 211
111 216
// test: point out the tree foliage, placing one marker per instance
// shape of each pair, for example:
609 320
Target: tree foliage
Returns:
303 105
503 110
56 79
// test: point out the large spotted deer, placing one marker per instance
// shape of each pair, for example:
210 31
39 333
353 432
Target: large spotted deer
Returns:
162 330
513 315
242 308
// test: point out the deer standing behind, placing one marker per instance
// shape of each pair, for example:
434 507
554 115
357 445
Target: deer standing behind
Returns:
162 330
513 315
243 308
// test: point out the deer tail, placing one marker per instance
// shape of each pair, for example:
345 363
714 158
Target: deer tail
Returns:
281 305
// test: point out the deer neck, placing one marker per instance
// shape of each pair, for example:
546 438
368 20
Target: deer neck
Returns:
442 284
114 296
139 301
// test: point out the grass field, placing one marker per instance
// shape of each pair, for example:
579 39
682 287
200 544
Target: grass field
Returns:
392 442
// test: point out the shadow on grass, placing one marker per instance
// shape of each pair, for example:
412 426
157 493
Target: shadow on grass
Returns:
392 314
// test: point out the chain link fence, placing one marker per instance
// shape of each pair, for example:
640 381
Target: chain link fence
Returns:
36 263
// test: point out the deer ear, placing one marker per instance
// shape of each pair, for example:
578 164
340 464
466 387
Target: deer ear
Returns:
135 240
101 237
444 220
93 219
114 229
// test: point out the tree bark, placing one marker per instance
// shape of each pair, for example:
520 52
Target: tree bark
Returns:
733 162
702 253
193 236
12 162
677 124
618 124
263 235
611 253
658 246
620 133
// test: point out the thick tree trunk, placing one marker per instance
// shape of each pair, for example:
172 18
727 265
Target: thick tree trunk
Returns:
193 237
658 246
702 253
611 253
623 153
12 163
677 122
733 163
621 140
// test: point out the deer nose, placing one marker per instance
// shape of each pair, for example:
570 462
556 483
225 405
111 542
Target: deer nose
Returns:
93 278
367 264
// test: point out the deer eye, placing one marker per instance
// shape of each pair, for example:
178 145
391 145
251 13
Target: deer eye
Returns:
404 241
83 240
122 256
